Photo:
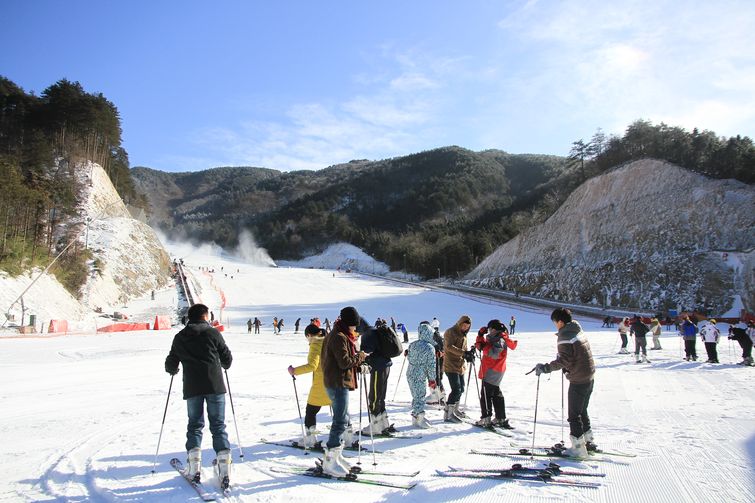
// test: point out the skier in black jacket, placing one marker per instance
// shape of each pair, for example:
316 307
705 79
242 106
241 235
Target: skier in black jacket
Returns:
380 366
640 331
203 354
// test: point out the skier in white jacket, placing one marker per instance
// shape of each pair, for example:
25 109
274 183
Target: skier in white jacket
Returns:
710 334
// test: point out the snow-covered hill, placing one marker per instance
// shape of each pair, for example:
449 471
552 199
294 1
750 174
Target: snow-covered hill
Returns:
648 233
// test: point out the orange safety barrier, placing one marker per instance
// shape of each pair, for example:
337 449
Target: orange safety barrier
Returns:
123 327
58 326
162 322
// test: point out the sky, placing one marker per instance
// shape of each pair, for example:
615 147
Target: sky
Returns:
305 85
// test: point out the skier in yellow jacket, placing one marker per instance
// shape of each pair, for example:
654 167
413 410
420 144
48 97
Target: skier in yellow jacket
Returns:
317 396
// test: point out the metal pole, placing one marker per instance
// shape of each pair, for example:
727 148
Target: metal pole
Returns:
235 423
359 435
466 393
301 420
534 426
562 408
165 413
399 378
372 437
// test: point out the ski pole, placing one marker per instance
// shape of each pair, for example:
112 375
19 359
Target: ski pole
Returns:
476 381
399 378
372 437
359 435
165 413
298 408
469 378
233 411
534 426
562 408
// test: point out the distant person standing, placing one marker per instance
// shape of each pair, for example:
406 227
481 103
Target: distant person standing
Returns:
710 335
623 333
655 330
296 325
689 334
512 325
275 325
249 325
327 324
404 332
280 325
640 331
741 333
257 324
435 324
203 354
393 324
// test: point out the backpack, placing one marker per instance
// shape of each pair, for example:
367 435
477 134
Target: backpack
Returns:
388 343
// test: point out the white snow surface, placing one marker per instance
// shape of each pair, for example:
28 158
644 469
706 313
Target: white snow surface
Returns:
82 413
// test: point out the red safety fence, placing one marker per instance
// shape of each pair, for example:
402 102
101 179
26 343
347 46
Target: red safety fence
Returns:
123 327
58 326
162 322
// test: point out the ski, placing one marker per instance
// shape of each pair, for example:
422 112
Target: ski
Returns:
399 434
179 467
318 473
542 478
318 446
357 470
559 446
528 452
491 429
552 468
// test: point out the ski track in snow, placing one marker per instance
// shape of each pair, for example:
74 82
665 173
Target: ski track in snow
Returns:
83 413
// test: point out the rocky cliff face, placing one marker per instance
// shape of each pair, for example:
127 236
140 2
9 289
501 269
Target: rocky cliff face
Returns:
129 259
648 234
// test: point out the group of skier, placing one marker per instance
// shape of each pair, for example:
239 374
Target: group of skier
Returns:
338 359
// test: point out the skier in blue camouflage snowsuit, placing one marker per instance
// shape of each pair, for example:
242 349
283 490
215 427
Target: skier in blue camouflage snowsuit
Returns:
421 370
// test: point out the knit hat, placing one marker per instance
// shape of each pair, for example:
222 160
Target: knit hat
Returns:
350 316
497 325
312 329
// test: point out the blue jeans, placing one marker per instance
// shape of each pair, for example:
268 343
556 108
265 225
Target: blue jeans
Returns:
339 398
457 387
216 415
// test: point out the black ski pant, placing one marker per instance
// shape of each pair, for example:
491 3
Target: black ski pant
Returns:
457 387
624 340
640 344
439 372
710 348
378 389
579 399
491 400
310 415
690 349
746 344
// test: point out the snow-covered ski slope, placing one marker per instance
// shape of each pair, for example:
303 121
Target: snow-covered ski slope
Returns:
82 414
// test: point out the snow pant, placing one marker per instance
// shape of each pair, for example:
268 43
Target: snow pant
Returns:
417 385
710 348
624 340
491 400
249 330
378 389
746 344
439 372
512 329
406 336
579 399
310 415
690 349
216 416
256 330
339 398
457 387
656 342
640 343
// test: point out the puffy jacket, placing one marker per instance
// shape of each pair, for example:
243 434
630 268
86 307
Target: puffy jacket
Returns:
339 358
317 394
574 354
623 327
454 346
639 329
710 333
688 330
421 357
369 344
494 350
655 327
203 355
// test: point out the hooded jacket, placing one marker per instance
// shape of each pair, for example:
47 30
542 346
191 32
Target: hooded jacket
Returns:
494 351
203 354
340 358
454 346
574 354
710 333
421 357
317 394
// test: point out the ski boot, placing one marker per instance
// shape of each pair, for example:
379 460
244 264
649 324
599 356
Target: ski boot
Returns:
449 416
485 422
503 423
419 421
222 466
330 464
589 442
194 470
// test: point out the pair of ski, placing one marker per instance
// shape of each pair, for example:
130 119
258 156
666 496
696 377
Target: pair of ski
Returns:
540 476
355 475
318 447
554 451
198 487
492 429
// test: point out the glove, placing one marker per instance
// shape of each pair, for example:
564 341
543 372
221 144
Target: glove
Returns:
406 352
469 355
291 369
171 371
482 331
432 384
542 368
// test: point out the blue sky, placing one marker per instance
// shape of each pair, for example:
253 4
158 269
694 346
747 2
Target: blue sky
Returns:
306 84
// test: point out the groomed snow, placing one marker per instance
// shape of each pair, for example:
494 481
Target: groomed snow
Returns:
82 414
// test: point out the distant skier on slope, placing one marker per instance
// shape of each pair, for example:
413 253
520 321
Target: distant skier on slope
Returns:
710 335
575 358
739 333
317 397
688 332
640 331
655 329
623 333
203 355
